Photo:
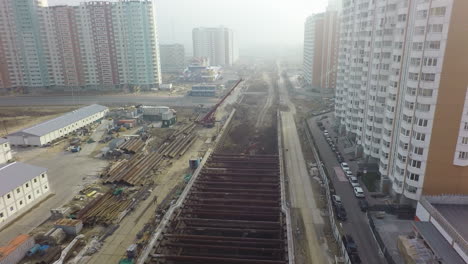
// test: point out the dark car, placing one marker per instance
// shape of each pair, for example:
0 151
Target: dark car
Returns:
355 259
363 204
340 159
340 213
349 244
336 200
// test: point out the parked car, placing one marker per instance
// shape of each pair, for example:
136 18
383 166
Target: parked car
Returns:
354 181
325 133
345 166
340 213
349 243
358 192
336 200
363 204
355 259
76 149
349 174
340 159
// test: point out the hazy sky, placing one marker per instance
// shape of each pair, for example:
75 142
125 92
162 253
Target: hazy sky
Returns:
257 22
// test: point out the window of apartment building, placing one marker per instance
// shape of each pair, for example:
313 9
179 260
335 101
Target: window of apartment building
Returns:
435 28
417 45
433 44
428 77
18 190
430 61
419 30
405 132
1 215
396 58
466 126
402 18
464 140
438 11
421 122
418 150
35 180
409 105
392 97
421 14
400 170
413 176
411 189
407 119
425 92
415 61
415 163
410 91
401 158
423 107
463 155
8 196
419 136
391 109
414 76
399 45
386 144
403 145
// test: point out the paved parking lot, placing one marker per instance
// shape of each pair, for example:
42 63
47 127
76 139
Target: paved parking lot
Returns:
357 223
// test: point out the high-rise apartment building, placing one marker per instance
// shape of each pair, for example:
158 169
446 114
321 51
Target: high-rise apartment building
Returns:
96 45
217 44
321 50
22 53
402 92
172 57
313 30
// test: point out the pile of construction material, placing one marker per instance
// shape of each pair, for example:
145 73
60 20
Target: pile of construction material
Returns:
105 209
133 145
134 171
179 142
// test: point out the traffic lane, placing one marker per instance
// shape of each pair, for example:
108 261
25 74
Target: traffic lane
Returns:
357 224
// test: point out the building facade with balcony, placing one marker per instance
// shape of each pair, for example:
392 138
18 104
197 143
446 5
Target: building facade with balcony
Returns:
397 74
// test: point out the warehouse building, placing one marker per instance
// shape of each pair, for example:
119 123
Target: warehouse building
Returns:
53 129
22 186
5 151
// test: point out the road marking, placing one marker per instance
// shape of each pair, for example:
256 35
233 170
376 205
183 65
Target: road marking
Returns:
340 174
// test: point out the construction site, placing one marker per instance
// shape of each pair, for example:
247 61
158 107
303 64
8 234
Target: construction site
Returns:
210 186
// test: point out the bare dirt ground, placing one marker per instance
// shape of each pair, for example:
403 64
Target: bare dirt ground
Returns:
16 118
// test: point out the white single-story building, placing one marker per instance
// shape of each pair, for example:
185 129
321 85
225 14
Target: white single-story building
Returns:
441 222
5 151
53 129
21 186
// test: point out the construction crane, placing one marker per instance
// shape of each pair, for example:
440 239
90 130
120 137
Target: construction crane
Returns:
209 119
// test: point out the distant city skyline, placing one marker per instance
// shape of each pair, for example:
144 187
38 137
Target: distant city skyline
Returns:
257 23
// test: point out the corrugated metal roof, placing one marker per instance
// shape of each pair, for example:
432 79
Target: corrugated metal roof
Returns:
15 243
61 121
15 174
456 215
438 243
3 140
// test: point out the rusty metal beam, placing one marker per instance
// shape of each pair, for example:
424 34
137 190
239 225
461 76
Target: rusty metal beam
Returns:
213 189
241 231
253 249
217 238
234 207
238 184
246 194
200 259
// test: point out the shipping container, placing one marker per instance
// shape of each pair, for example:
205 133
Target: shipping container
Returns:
15 251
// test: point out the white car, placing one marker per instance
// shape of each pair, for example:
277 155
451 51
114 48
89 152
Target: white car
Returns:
358 192
354 181
345 166
348 173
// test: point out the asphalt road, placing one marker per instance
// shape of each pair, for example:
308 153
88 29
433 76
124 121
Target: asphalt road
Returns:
357 224
106 100
301 194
